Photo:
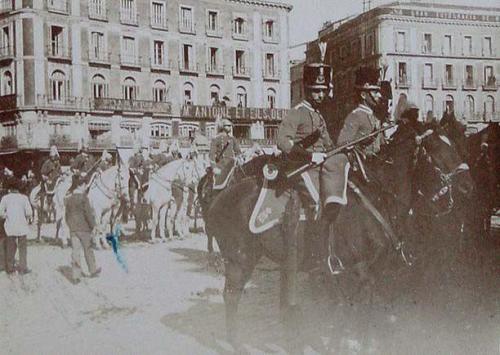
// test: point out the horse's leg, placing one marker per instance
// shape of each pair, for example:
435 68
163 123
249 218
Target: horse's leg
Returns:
39 224
162 216
154 222
170 219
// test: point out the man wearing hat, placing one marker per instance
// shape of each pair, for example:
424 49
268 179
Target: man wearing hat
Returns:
51 169
105 161
224 152
81 166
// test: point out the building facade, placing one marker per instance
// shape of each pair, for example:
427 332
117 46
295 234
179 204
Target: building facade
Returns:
296 82
436 55
124 72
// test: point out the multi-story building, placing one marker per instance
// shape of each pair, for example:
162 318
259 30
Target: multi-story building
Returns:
436 55
296 82
120 72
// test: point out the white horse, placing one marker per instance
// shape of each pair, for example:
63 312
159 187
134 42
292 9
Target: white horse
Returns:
167 193
105 192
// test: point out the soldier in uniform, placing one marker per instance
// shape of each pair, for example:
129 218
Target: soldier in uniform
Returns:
81 166
51 170
224 153
105 161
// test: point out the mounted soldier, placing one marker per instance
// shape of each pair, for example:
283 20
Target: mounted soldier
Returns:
139 165
224 153
50 171
105 161
81 166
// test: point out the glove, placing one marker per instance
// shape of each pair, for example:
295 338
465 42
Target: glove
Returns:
318 158
217 171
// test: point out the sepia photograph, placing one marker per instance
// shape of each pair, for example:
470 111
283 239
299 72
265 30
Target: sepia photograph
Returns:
197 177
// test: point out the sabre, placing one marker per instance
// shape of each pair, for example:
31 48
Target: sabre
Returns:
337 150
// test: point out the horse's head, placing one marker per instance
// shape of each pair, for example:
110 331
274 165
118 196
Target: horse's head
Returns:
254 166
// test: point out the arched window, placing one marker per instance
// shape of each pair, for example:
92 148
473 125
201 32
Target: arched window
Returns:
429 106
7 87
99 86
271 98
469 107
449 103
214 94
239 26
400 106
130 89
159 91
188 93
489 107
58 86
241 96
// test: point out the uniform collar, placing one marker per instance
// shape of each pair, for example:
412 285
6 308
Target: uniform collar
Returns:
365 109
307 105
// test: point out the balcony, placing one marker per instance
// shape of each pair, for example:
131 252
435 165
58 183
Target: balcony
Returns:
58 52
6 6
429 83
490 84
214 69
403 82
129 17
271 74
97 12
189 67
240 36
241 72
130 60
449 84
214 31
59 6
9 102
484 117
271 39
159 23
469 84
99 56
161 64
111 104
7 52
62 102
187 27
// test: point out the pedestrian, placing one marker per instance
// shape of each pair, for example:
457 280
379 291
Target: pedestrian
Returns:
16 209
81 223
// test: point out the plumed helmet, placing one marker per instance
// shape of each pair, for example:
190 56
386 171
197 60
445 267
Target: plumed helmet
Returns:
106 155
367 78
317 76
53 151
410 106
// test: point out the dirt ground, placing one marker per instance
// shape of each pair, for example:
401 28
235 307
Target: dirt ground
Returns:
170 302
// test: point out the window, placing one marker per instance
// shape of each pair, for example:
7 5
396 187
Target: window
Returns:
99 87
401 41
188 57
369 45
7 83
429 105
428 73
213 60
58 5
270 65
128 11
58 86
5 45
427 47
158 16
186 20
448 75
489 77
449 104
240 63
57 41
130 89
469 75
469 106
158 53
489 107
128 51
239 26
270 30
447 45
467 45
271 98
159 91
487 46
188 93
212 22
97 46
214 95
97 9
241 97
402 74
160 130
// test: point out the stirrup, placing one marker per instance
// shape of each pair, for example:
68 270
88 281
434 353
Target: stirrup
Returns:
340 264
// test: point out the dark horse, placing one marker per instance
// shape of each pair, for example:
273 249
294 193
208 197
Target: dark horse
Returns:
481 151
394 180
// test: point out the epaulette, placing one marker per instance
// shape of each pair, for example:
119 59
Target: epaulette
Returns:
363 109
303 104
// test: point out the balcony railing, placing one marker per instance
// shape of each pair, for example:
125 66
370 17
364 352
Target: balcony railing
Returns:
9 102
469 84
162 64
63 102
130 60
6 52
6 5
403 82
111 104
241 71
189 28
189 67
449 84
429 83
270 74
98 56
97 12
129 17
214 69
58 52
214 31
271 39
160 23
243 36
484 117
60 6
490 84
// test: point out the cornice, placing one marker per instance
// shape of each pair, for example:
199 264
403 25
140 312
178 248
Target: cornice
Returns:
438 21
264 3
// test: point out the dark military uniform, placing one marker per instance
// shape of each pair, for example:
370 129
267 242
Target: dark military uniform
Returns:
51 168
224 149
301 122
83 163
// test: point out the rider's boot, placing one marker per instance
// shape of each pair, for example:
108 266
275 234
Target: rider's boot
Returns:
328 255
